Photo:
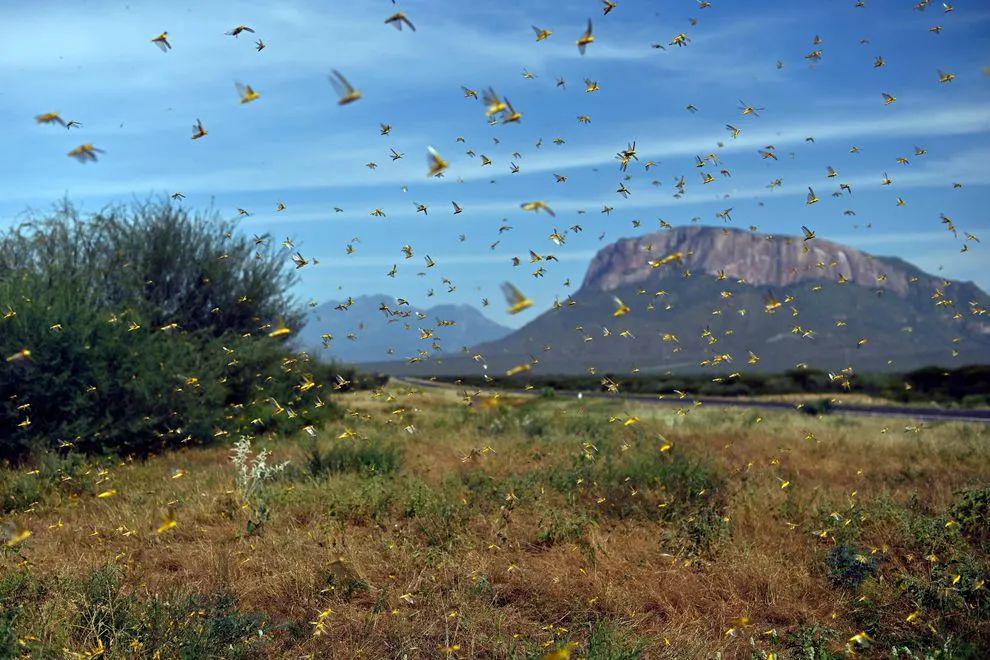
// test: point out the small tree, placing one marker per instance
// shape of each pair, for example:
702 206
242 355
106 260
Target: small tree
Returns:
141 328
195 270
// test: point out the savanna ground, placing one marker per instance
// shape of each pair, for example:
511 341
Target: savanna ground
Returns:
419 526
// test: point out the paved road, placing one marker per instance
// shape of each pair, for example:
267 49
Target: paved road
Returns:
977 415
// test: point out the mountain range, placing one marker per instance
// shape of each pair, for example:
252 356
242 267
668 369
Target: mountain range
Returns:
378 327
730 300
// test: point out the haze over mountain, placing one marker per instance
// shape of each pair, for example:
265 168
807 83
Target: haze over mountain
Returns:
378 327
737 301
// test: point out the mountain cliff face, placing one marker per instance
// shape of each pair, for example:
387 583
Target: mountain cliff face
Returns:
724 300
759 260
364 331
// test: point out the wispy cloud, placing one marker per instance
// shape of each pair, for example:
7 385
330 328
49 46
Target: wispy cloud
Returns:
299 172
442 259
963 119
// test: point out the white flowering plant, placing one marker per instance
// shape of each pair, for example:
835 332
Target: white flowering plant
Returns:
251 473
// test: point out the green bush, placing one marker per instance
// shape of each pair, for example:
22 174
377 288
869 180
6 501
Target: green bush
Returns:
354 456
143 328
561 526
189 626
96 611
52 473
358 499
434 512
16 588
971 509
849 567
168 265
812 642
682 490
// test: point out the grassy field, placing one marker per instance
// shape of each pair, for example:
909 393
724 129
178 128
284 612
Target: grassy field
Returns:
426 524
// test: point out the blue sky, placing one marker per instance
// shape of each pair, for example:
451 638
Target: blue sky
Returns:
93 62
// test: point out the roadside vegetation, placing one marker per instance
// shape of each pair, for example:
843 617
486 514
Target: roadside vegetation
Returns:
444 523
963 387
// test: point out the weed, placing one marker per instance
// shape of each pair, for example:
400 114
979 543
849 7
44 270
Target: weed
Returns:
251 474
481 587
437 513
561 526
108 619
351 498
641 482
354 455
51 473
341 578
812 642
971 511
608 641
848 567
16 589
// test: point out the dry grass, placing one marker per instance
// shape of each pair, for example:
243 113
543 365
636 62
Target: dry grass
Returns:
510 527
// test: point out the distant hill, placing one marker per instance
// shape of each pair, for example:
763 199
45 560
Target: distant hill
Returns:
378 327
734 296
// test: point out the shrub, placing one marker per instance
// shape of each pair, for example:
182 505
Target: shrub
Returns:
19 490
168 265
143 328
643 482
8 640
812 642
561 526
971 510
818 407
436 512
190 626
355 499
849 567
945 582
354 455
16 588
966 386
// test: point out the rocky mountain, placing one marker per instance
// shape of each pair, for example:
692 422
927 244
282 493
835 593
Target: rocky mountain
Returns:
759 260
724 300
378 327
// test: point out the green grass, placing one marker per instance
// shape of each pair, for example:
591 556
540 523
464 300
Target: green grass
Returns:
102 616
360 455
